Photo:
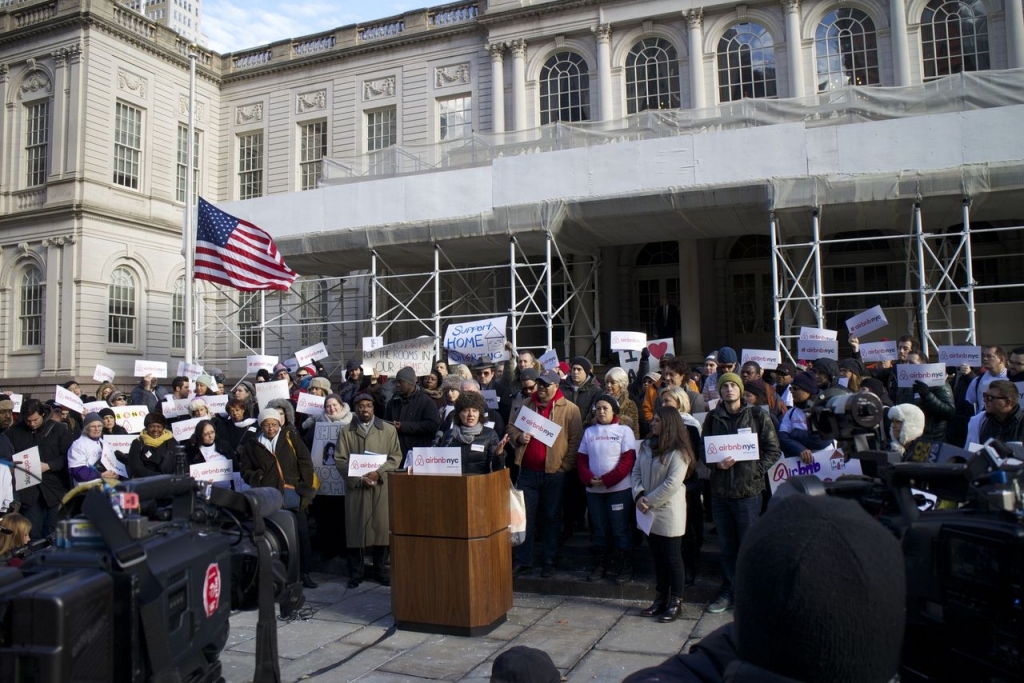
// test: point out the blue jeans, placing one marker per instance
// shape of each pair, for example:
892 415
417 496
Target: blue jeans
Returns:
610 516
543 495
733 518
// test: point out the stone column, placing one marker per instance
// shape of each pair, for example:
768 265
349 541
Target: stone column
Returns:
61 89
794 51
695 29
1014 33
52 308
518 49
603 32
900 45
68 352
689 302
497 53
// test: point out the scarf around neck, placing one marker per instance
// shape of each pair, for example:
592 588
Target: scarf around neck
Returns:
157 442
465 434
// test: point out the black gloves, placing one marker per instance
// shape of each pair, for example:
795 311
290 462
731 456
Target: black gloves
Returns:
922 389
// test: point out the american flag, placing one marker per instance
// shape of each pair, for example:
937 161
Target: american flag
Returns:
236 253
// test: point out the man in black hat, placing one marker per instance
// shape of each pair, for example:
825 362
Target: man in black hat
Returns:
783 379
485 372
412 412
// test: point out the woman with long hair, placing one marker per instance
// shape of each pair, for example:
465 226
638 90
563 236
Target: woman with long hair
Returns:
658 490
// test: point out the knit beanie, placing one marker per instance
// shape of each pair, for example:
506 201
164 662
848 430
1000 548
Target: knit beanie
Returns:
819 571
610 400
207 381
406 374
807 381
154 417
854 366
727 355
352 364
90 418
583 363
757 387
107 412
729 377
269 414
320 383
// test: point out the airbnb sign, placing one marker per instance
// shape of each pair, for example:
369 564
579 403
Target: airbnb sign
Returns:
735 446
932 374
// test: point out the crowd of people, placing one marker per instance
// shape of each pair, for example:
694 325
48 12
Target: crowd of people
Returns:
629 452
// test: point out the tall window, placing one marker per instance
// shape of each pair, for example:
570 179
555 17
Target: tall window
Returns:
37 141
954 38
250 165
178 315
746 63
127 145
455 117
847 49
121 320
381 129
183 162
249 331
564 89
30 317
652 76
313 312
313 149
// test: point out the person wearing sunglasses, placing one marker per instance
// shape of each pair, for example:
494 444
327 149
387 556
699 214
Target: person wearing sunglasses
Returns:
1001 419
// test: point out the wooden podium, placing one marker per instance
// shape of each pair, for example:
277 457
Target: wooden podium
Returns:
451 552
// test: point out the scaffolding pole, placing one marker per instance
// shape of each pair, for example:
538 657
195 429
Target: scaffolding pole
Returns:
513 305
776 288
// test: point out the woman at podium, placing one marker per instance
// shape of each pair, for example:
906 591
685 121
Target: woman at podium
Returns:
482 450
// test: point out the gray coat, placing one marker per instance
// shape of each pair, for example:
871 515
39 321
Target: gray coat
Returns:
366 507
662 483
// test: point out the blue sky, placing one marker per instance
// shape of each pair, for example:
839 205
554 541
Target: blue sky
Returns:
233 25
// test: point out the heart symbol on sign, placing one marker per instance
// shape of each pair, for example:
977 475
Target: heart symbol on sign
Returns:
658 350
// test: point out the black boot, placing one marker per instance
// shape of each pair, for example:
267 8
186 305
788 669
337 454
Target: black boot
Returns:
675 608
657 607
600 569
624 572
308 582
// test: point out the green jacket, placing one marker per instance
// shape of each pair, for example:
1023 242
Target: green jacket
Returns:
746 478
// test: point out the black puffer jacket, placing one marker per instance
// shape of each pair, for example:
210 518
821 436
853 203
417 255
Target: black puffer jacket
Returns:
479 457
583 396
745 478
937 405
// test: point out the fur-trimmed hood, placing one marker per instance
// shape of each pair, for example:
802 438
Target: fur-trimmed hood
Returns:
913 423
286 406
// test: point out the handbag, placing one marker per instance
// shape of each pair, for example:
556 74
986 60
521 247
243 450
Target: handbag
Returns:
517 516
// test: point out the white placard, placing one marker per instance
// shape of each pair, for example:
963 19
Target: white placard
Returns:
268 391
876 352
184 429
644 521
218 469
476 340
217 403
175 407
958 355
310 404
132 418
118 442
735 446
156 368
93 407
630 361
372 343
110 461
549 361
766 358
16 399
445 461
291 364
844 382
659 347
325 440
190 370
491 398
866 322
537 426
628 341
68 399
932 374
712 404
361 464
388 360
813 349
254 364
27 460
818 334
827 465
103 374
309 354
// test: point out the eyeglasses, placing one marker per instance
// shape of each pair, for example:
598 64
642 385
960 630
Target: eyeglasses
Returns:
529 388
302 375
990 397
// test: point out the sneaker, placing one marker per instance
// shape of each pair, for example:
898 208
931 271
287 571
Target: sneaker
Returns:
721 604
597 573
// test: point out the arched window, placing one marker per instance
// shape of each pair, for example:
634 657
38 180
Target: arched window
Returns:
658 254
746 63
178 315
313 312
121 308
652 76
564 89
30 308
954 38
847 49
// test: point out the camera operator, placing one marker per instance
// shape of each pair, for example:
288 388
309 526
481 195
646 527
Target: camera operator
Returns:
40 503
1001 419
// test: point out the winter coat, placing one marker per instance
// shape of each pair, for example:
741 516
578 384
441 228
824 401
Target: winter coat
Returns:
583 396
146 461
937 406
561 456
983 427
54 441
746 478
417 418
366 507
479 457
662 484
260 467
795 437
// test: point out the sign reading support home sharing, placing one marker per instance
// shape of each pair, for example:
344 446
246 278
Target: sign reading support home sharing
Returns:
445 461
932 374
476 340
538 426
735 446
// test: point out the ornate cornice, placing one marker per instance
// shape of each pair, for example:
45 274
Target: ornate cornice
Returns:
694 18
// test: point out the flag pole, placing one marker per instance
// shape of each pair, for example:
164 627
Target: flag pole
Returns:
190 208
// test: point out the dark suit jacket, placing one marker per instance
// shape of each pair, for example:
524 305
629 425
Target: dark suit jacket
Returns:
666 326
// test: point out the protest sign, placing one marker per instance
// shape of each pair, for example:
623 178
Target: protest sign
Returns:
446 461
175 407
268 391
217 403
866 322
110 462
118 442
184 429
93 407
818 334
813 349
156 368
30 470
190 370
132 418
629 361
16 399
659 347
644 521
325 439
827 465
291 364
628 341
932 374
389 359
218 469
254 364
549 361
537 426
877 352
473 341
310 404
68 399
103 374
307 355
958 355
735 446
372 343
766 358
362 464
491 398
